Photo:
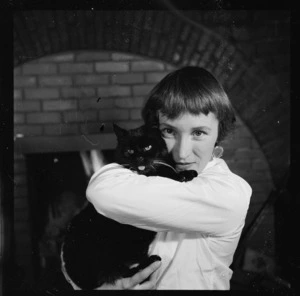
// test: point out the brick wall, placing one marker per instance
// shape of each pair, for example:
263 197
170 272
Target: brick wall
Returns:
249 52
58 96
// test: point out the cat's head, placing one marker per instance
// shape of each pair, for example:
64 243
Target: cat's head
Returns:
138 148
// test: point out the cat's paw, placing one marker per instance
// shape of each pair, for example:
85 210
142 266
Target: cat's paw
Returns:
187 175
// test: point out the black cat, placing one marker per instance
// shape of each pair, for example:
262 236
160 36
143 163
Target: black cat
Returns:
98 250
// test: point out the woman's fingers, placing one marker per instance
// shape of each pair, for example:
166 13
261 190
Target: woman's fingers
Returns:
133 283
148 285
142 275
115 286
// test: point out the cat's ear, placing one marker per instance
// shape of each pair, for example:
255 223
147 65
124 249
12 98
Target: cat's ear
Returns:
154 131
120 132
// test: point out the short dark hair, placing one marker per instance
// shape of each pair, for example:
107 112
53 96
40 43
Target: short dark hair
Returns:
190 90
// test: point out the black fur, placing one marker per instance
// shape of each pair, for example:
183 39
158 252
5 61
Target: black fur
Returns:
98 250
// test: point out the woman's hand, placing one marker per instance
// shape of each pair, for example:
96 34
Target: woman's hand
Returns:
133 283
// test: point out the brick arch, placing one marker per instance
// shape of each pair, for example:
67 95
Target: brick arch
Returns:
156 34
161 35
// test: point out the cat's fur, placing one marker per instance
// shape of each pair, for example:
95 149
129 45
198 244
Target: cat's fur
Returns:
98 250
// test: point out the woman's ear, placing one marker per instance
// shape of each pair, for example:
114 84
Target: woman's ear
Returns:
218 151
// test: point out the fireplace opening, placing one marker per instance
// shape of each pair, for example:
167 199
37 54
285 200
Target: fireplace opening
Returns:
56 192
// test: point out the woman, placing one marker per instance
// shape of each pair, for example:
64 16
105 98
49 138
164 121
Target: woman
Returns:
198 223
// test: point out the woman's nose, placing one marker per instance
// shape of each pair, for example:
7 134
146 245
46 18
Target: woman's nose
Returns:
183 149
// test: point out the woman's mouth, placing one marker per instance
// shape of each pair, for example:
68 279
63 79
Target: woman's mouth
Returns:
183 165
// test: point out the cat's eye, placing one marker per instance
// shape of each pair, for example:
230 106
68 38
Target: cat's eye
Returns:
130 151
147 148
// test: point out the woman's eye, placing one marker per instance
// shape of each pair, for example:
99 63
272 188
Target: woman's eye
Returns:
130 151
147 148
198 133
167 132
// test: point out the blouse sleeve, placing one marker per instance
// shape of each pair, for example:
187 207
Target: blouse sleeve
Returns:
214 203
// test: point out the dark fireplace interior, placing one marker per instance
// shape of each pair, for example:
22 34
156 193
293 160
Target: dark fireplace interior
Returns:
57 184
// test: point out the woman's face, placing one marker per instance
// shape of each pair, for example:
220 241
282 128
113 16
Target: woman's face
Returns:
190 138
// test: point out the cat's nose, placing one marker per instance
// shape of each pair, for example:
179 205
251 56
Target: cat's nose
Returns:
140 159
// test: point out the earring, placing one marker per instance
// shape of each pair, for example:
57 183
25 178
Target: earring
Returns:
218 151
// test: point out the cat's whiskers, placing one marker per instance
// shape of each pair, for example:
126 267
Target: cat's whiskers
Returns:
153 167
165 164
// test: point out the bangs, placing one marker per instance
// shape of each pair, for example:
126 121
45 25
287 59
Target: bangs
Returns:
175 105
191 97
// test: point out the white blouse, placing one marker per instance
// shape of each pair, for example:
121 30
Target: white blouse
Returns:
199 222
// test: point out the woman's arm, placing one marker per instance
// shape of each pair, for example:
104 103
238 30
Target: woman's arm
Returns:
215 202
